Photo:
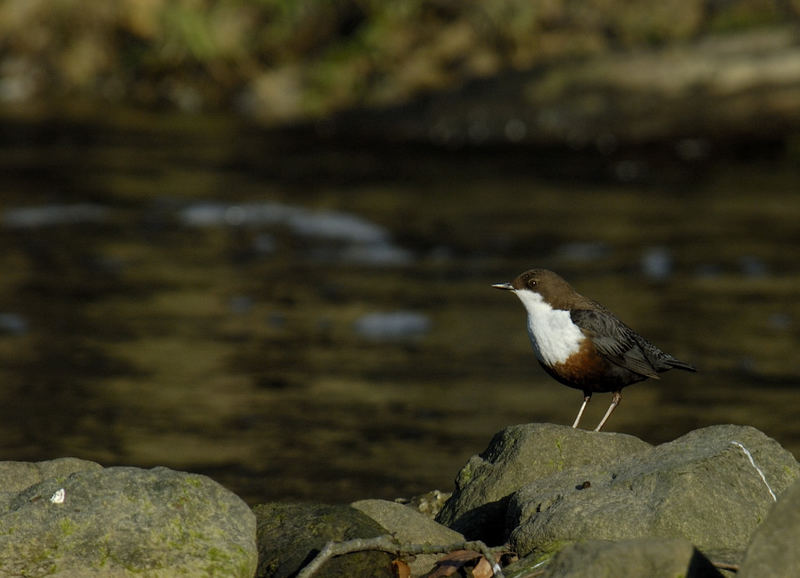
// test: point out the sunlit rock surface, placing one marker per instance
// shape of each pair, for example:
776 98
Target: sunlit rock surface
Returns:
73 517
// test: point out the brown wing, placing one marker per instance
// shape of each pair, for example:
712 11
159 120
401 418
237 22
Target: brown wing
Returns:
617 342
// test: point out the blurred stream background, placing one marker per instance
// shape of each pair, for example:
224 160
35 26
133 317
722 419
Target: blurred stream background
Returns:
256 240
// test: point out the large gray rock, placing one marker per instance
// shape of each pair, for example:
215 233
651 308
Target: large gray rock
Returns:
17 476
774 551
291 535
650 557
517 456
409 526
701 487
117 521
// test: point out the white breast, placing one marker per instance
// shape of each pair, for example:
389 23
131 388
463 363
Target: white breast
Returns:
552 333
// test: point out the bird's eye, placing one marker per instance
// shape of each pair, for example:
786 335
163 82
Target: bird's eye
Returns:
532 282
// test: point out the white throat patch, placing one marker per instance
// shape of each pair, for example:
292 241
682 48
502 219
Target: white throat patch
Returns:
552 333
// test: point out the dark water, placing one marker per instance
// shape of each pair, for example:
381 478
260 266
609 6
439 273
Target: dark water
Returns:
313 320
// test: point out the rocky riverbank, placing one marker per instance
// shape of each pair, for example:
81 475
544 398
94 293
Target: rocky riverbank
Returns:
471 72
554 501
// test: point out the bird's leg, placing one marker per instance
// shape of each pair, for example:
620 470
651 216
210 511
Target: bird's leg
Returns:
614 403
586 397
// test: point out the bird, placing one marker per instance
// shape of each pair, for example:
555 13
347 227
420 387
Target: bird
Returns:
582 344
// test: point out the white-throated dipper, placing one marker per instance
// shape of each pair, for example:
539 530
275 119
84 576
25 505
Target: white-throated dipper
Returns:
581 343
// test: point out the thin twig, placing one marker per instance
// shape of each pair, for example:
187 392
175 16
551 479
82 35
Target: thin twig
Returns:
726 566
389 544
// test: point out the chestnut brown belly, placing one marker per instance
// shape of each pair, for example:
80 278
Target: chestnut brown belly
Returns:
589 371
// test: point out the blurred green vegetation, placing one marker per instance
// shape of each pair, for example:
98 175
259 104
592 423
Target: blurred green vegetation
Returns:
286 60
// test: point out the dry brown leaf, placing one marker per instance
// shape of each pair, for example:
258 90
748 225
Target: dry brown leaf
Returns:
482 569
400 569
450 564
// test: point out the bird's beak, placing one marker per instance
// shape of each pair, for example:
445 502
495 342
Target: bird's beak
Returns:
505 286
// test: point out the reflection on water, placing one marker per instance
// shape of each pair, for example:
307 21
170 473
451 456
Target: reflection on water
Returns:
397 325
48 215
309 320
343 236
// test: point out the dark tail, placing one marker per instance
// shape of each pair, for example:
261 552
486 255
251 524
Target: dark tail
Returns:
660 360
678 364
